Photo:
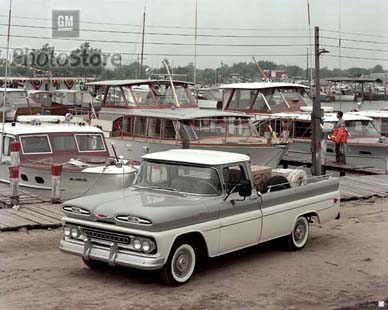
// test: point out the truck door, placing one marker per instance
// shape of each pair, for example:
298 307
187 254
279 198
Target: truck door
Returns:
240 219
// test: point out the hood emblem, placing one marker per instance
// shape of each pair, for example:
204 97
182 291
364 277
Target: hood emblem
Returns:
103 216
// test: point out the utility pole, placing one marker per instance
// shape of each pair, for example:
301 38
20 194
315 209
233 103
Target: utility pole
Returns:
316 115
142 46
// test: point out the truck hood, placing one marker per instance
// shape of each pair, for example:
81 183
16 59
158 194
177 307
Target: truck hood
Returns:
150 210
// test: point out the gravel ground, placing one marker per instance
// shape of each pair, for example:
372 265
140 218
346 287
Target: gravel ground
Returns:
344 266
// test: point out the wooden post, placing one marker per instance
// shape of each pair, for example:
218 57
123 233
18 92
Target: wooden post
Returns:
56 171
316 168
14 173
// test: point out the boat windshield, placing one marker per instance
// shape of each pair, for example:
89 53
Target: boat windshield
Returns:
153 94
358 128
90 142
265 99
198 129
361 128
62 143
178 178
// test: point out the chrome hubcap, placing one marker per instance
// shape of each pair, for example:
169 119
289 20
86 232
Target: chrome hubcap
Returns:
299 232
182 262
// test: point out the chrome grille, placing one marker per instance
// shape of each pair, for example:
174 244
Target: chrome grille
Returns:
94 233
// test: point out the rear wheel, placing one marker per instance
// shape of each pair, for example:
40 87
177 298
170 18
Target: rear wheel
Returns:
181 263
299 236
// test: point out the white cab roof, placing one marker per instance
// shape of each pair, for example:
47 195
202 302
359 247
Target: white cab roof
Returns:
262 85
202 157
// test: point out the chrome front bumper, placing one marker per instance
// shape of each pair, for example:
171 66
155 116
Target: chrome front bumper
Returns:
111 255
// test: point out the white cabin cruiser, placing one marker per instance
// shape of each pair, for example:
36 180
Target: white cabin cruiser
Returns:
365 146
81 149
164 115
284 107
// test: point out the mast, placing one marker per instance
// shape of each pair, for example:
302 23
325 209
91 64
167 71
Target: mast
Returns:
6 72
142 46
195 51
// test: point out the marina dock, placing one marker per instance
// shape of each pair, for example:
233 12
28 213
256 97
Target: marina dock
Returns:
331 166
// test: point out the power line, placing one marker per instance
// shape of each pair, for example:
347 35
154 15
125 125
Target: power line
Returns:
175 34
356 48
354 40
159 43
356 57
355 33
163 26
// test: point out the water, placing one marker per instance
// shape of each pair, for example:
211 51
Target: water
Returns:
348 106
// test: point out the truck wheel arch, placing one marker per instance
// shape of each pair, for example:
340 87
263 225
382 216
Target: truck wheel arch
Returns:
310 215
199 240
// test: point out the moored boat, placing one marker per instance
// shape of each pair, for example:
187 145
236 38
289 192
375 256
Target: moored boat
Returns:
81 149
164 116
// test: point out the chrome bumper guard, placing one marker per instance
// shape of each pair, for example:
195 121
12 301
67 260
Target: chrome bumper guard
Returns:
112 255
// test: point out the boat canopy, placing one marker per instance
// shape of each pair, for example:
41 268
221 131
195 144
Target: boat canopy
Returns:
262 85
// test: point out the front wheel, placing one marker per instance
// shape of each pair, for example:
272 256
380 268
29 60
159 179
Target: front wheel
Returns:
300 233
181 263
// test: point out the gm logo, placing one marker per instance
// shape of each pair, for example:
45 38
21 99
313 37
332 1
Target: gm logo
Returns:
65 23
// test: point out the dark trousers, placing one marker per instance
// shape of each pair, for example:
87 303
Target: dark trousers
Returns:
340 157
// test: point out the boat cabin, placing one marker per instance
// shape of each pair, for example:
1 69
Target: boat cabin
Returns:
51 139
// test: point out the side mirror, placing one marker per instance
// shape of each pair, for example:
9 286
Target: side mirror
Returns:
245 188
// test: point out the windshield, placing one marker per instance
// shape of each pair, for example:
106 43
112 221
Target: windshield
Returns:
35 144
178 178
361 128
90 142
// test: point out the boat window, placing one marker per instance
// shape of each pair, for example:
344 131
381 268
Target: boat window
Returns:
144 95
90 142
260 103
361 128
275 99
165 95
140 128
35 144
63 143
179 177
115 96
242 99
384 126
160 128
217 128
7 140
302 129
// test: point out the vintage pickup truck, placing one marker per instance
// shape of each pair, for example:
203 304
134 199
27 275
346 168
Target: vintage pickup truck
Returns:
186 205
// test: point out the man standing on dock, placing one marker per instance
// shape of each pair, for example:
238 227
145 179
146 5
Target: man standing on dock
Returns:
340 138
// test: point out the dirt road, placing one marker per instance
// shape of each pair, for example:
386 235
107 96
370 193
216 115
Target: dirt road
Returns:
344 263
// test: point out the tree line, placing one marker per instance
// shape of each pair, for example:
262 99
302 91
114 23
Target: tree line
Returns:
87 61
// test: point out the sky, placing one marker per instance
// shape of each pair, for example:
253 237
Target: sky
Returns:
228 31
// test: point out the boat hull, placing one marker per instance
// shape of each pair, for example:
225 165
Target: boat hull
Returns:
268 155
366 155
72 183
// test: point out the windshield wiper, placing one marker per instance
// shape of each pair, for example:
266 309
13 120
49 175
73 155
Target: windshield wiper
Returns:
170 189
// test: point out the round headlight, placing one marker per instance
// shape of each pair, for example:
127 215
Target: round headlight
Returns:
146 246
74 232
67 231
137 244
